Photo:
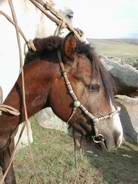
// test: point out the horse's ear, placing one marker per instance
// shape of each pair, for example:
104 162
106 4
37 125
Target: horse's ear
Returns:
69 45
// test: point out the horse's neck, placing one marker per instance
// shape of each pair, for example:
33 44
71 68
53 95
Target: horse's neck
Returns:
37 86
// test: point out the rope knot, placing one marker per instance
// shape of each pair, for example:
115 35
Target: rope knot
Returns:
9 109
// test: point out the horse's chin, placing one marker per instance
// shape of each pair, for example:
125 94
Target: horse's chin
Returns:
106 145
103 146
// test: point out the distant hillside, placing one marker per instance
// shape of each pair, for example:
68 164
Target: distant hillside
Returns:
131 41
127 48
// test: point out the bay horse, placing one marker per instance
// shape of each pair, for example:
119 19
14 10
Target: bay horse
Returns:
45 86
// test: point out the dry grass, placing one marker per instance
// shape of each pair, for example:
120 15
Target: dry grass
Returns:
54 162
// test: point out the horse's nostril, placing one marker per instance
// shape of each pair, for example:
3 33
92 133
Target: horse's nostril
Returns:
98 138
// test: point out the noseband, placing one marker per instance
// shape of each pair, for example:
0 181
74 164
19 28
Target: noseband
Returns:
97 138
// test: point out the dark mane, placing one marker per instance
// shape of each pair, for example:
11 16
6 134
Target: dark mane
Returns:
47 49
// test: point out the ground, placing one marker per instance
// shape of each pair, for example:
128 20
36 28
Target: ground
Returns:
55 164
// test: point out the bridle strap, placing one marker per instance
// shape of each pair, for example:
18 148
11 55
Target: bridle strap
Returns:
77 104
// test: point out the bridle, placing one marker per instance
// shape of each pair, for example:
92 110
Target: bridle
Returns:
97 138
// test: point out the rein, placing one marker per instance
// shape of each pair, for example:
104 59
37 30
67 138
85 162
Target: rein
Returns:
97 138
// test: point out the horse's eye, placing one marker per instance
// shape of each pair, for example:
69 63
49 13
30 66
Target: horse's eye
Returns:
94 87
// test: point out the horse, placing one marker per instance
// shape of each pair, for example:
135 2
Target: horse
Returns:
45 86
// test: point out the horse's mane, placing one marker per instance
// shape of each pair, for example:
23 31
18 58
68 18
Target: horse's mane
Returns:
47 49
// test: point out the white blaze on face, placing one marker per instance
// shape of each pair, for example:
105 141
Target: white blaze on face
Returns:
117 126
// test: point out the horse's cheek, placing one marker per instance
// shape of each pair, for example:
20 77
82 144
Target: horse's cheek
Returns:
60 100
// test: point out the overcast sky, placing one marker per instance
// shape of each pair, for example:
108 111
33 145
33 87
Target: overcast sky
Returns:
104 18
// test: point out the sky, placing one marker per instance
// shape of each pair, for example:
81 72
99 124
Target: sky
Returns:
104 18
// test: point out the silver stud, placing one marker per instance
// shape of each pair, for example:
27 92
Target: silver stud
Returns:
77 103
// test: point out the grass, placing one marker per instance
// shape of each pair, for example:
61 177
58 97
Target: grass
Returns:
54 162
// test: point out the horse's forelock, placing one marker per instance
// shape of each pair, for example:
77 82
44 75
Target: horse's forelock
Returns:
47 44
45 48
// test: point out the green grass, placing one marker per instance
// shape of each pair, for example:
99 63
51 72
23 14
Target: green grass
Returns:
54 162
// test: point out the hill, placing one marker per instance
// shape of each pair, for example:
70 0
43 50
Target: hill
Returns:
116 47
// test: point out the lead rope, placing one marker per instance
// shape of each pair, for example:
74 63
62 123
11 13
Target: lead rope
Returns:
24 99
9 109
28 43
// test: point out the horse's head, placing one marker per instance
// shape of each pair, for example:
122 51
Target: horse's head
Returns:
77 67
92 86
